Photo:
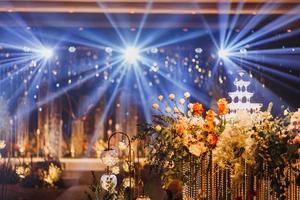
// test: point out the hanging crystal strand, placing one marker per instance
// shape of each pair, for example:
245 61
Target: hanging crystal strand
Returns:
241 189
195 183
255 187
227 184
209 181
206 178
222 194
288 191
267 188
294 187
297 188
191 184
263 183
201 176
220 191
213 182
293 191
187 187
261 188
216 181
245 181
198 180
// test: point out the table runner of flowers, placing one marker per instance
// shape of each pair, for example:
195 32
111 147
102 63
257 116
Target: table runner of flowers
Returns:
236 156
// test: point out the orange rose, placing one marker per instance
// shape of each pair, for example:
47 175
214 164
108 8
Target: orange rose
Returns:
197 108
180 128
212 139
209 126
210 115
222 106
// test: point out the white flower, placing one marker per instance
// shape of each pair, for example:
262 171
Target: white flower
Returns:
158 128
168 109
176 110
115 170
155 106
181 101
243 119
285 112
196 121
190 106
295 121
160 97
187 95
171 97
197 149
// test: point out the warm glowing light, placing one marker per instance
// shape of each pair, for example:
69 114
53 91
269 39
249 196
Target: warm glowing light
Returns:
131 55
46 53
223 53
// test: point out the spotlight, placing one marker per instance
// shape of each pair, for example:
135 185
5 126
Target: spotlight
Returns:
46 53
131 55
223 53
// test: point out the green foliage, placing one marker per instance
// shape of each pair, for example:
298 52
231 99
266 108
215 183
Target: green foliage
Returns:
276 155
165 157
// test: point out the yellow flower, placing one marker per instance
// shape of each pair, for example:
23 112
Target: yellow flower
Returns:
209 126
222 106
187 139
126 182
181 128
22 171
158 128
210 115
115 170
168 109
52 175
155 106
2 144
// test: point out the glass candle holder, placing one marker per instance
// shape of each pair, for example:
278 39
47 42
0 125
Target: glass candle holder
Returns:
110 157
108 181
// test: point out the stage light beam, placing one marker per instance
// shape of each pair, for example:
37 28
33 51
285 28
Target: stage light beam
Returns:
223 53
131 55
46 53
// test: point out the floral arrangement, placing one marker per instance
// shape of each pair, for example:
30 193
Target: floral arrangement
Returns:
41 174
52 175
182 133
23 171
267 146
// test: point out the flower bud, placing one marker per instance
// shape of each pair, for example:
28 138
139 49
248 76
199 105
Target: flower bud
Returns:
181 101
158 128
187 95
171 97
168 109
155 106
160 97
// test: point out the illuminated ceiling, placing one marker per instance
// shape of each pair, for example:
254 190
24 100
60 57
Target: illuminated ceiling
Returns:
128 13
141 6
